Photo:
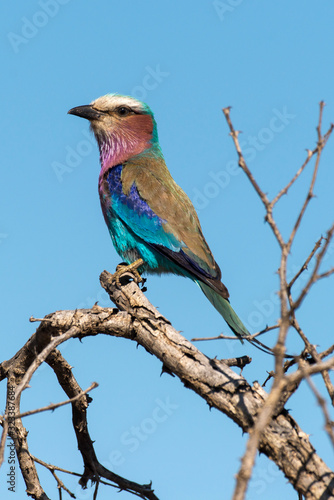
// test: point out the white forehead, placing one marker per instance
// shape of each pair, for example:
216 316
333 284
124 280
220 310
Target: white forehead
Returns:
112 101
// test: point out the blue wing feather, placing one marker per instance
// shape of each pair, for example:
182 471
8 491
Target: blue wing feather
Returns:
137 214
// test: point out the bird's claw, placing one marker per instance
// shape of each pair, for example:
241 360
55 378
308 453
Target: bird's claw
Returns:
132 268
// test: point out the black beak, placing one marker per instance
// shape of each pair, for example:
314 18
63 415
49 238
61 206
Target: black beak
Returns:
87 112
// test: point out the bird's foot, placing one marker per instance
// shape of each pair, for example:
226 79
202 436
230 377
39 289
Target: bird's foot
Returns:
125 268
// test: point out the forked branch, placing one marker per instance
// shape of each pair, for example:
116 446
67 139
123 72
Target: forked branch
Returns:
284 384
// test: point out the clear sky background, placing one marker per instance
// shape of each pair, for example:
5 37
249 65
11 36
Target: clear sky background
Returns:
273 63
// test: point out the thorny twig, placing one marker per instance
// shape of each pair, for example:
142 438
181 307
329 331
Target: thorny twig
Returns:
227 337
54 406
306 263
51 467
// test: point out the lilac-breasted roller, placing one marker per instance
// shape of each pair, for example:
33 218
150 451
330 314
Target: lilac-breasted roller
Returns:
148 215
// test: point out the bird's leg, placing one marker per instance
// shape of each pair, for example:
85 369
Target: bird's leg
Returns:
132 268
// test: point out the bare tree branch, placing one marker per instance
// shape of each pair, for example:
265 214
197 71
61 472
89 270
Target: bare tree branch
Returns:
314 275
51 467
42 346
320 146
282 440
242 163
285 190
268 405
93 470
19 436
284 385
322 403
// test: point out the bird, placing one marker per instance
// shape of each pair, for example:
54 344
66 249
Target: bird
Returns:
152 222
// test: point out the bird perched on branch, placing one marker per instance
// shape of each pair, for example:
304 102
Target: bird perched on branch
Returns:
152 222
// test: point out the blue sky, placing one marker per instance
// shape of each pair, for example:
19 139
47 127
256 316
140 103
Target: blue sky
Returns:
270 61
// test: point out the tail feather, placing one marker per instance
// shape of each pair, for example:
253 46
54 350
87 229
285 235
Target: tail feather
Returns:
225 309
234 322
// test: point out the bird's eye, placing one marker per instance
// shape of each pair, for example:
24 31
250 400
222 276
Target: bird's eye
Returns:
123 111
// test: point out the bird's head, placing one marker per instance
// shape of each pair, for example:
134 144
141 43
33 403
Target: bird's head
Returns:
123 127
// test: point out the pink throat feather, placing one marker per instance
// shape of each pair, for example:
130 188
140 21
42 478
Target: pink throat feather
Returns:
126 140
116 149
